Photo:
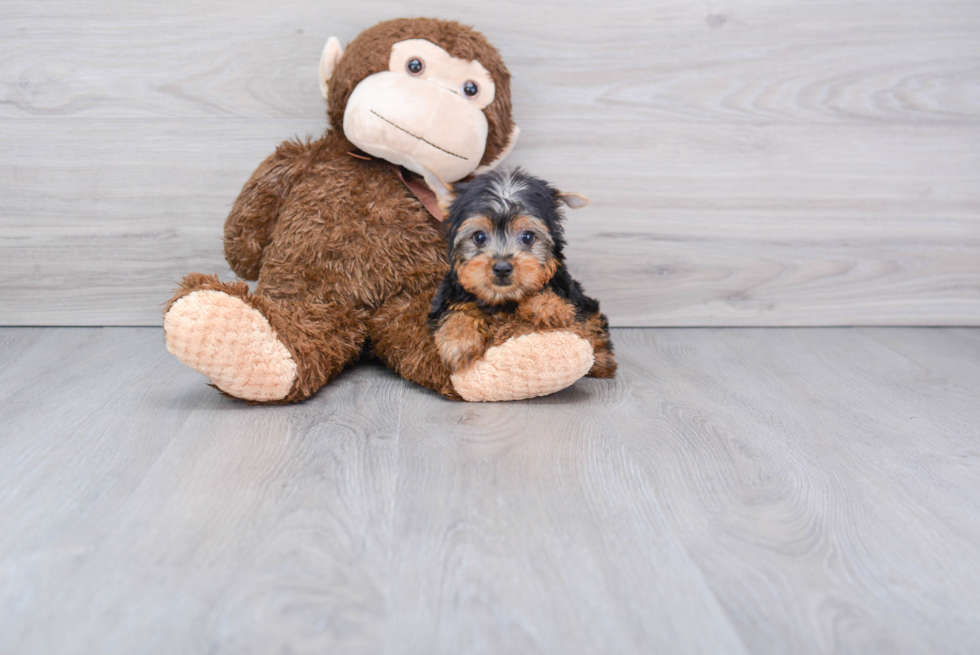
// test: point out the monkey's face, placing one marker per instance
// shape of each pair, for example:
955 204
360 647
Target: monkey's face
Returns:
424 112
501 261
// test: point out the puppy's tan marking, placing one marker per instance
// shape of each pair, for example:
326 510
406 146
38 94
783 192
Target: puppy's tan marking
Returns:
534 224
547 310
529 274
462 338
463 245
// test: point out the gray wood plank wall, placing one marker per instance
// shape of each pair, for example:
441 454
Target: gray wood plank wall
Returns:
750 163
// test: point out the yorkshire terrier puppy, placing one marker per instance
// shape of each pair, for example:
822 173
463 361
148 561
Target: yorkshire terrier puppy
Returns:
507 271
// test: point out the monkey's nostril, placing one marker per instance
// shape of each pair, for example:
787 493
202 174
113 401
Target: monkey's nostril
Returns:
503 269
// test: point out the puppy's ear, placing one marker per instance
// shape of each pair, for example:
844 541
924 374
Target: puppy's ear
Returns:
573 200
443 190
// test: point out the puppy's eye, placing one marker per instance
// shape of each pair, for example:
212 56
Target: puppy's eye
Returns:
415 66
480 238
527 237
470 88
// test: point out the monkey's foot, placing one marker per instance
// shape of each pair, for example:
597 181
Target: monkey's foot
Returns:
528 366
232 343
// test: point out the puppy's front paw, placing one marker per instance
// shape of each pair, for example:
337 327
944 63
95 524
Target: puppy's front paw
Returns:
461 340
546 310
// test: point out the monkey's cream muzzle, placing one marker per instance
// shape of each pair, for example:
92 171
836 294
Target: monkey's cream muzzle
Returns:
416 124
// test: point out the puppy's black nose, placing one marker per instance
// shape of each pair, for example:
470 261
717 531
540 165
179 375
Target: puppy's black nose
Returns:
502 268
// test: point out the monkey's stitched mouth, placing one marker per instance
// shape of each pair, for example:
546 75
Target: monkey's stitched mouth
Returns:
399 127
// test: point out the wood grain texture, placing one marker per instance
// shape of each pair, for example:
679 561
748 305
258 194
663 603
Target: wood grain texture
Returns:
733 490
749 163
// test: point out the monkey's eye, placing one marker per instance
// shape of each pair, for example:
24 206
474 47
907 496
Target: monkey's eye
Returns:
415 66
470 88
480 238
527 237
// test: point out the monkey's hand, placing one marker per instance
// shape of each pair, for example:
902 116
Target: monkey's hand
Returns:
529 364
546 310
461 339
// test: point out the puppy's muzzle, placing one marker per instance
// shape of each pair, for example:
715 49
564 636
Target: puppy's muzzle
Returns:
502 269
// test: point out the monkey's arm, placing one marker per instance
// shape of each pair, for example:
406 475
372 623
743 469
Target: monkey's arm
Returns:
256 209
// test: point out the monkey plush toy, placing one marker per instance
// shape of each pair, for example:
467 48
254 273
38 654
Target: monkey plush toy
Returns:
338 235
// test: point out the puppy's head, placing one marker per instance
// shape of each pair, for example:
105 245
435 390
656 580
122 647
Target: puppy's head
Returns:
505 234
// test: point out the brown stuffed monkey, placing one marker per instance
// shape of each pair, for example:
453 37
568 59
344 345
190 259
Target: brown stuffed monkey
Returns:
345 252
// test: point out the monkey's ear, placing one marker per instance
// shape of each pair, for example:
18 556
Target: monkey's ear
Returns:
328 61
511 142
573 200
443 190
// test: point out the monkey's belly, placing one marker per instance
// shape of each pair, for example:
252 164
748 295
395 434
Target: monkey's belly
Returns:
361 263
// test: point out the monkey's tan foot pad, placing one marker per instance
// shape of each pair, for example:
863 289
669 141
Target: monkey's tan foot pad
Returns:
526 367
232 343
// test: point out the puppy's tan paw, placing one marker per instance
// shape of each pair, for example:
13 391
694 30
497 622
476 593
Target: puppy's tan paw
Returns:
546 310
460 340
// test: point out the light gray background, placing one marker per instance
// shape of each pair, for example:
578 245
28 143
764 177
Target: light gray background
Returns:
750 163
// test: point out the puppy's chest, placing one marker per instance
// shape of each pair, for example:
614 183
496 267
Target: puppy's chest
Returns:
494 314
493 317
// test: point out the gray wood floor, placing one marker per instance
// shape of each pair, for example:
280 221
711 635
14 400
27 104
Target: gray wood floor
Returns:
749 163
733 490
